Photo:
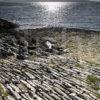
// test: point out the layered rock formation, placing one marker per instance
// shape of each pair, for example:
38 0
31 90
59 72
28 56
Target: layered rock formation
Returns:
48 64
45 78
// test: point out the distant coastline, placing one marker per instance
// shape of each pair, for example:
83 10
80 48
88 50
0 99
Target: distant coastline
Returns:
80 15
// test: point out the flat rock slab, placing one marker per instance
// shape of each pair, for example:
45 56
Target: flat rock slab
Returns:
42 79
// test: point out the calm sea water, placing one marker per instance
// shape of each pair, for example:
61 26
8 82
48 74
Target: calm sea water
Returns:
68 14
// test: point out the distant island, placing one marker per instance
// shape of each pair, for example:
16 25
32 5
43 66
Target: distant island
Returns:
12 4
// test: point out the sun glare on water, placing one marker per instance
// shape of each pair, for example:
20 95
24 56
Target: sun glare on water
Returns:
52 6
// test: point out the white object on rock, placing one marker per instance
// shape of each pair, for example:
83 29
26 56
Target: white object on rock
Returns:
49 44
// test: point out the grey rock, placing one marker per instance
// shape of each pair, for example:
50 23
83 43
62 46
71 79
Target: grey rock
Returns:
23 52
4 24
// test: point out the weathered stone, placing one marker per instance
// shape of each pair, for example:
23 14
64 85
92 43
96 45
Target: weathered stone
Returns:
28 85
39 81
15 88
14 93
30 75
9 98
22 87
4 24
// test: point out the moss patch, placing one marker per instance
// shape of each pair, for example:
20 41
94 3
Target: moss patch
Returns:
3 91
93 63
33 55
2 61
71 45
79 65
93 81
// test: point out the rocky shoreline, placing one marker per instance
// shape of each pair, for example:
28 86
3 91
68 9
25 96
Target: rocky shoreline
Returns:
35 65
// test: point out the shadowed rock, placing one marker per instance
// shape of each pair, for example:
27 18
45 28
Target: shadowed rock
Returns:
4 24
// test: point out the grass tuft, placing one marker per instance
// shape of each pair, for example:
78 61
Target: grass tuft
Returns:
79 65
93 81
3 91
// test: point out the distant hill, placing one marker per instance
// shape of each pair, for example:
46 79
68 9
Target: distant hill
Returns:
12 4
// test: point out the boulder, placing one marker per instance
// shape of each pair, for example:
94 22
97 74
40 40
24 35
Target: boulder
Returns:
3 52
10 40
23 53
23 50
4 24
23 42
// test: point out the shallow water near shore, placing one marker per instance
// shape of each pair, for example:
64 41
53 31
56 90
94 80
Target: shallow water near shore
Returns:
84 15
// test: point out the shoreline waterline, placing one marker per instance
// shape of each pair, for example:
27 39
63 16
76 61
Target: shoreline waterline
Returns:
56 27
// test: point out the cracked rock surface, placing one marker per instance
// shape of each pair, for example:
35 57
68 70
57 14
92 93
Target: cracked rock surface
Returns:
44 78
48 64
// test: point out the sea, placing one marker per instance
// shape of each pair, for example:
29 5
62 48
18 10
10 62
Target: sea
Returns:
82 15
